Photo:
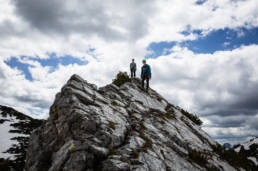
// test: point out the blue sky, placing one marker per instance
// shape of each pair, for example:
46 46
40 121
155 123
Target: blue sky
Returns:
217 40
53 61
215 76
200 2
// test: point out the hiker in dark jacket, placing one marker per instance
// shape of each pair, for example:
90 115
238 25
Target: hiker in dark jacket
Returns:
145 74
133 68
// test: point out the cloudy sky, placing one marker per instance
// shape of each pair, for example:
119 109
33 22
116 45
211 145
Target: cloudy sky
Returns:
203 54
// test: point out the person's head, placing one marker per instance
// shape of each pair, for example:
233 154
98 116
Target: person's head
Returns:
144 61
133 59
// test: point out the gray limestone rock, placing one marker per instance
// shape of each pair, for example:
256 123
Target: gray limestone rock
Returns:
118 129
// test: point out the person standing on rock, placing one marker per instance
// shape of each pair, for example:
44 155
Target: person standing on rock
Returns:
145 74
133 68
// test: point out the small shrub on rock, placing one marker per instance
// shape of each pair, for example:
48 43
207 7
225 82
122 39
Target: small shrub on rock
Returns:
121 78
192 117
198 157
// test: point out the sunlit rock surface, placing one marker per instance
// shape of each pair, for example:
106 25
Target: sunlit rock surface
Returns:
118 129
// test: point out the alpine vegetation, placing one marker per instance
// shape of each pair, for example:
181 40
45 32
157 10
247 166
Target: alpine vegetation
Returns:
121 78
15 130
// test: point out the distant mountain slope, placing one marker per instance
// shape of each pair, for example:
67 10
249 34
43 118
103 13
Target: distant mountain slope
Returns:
249 149
15 129
227 146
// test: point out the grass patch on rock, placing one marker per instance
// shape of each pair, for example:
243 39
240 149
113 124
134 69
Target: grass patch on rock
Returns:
138 101
192 117
112 151
199 157
125 160
148 142
112 125
166 116
135 154
159 99
143 127
169 106
114 103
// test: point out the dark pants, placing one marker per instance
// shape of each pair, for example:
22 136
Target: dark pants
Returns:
147 80
133 73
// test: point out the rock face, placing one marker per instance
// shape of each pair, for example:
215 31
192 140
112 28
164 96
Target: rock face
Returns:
119 129
15 129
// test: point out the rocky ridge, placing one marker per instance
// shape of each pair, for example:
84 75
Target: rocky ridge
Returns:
119 129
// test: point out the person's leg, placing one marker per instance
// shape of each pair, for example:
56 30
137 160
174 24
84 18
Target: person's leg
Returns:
143 83
134 73
147 87
131 73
